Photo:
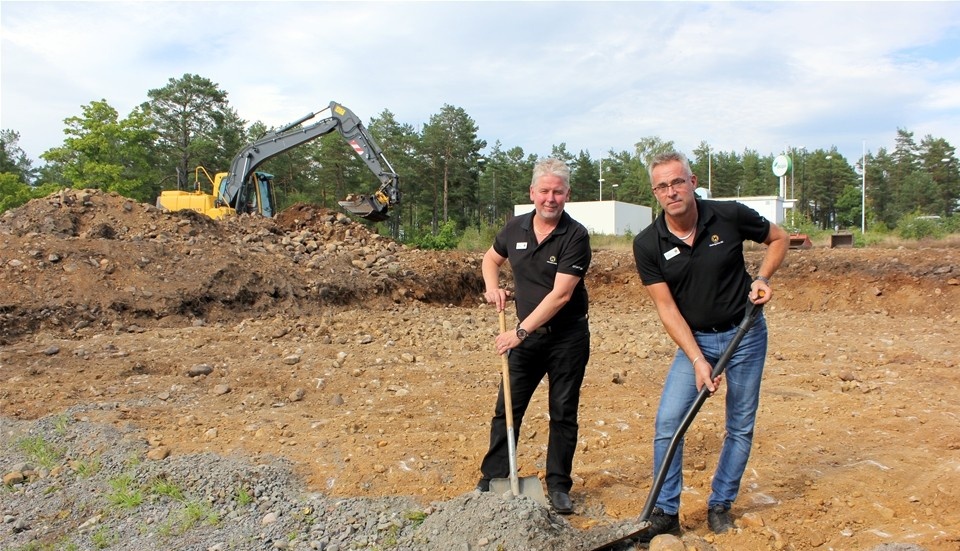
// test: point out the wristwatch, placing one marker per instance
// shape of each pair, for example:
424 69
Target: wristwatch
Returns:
521 333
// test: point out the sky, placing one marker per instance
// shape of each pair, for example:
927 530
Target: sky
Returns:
768 77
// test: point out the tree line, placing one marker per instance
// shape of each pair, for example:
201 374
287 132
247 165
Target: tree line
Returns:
450 181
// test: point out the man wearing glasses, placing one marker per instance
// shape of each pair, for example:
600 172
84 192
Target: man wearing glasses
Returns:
691 262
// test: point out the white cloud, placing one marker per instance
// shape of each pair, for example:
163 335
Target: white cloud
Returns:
594 75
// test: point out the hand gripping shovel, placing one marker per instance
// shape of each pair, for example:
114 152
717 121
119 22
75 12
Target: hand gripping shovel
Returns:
529 485
628 531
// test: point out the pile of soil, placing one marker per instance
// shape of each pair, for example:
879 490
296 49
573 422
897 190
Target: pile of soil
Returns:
363 370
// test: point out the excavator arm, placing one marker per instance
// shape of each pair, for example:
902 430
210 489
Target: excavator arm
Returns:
245 194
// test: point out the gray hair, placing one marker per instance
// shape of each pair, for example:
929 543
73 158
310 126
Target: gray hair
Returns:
668 157
551 166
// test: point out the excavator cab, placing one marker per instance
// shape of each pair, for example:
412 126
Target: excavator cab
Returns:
263 198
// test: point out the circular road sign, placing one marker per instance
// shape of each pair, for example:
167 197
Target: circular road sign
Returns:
781 165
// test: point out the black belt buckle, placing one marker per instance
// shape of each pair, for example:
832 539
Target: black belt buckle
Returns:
547 329
720 327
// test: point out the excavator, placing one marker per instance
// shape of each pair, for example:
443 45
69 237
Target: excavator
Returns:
245 190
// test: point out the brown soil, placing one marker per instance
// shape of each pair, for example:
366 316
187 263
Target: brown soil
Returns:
369 365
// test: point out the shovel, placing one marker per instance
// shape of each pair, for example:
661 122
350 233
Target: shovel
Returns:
529 485
634 529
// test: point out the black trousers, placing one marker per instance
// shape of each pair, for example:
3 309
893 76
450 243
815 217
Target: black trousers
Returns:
562 357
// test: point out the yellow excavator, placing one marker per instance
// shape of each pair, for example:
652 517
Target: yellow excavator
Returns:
244 190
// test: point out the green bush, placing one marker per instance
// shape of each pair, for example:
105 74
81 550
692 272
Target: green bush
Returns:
478 238
917 226
447 238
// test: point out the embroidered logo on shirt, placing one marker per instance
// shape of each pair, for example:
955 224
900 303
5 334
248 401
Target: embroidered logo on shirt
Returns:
715 240
553 260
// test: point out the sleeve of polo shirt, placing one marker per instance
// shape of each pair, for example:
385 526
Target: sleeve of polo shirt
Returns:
645 256
500 244
576 257
753 226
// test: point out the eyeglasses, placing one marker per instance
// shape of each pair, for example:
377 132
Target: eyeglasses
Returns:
662 188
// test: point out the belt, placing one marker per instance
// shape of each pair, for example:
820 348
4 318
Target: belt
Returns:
722 327
547 329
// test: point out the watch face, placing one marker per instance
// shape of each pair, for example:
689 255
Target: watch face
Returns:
521 333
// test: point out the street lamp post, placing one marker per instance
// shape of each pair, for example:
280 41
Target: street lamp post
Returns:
615 186
793 193
863 191
601 177
829 220
709 170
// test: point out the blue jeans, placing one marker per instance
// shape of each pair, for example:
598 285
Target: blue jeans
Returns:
742 380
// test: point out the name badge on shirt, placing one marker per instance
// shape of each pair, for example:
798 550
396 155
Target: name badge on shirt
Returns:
671 253
523 245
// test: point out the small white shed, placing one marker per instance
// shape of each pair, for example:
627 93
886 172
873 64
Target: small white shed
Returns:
770 207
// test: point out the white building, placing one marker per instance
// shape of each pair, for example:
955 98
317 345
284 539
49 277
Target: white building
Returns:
770 207
618 218
604 217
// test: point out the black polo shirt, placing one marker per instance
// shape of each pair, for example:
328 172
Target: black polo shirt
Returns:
709 281
535 266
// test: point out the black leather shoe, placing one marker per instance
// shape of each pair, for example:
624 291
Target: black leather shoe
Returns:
718 517
483 485
561 502
660 523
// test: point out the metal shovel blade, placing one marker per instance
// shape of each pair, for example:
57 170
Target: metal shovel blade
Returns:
610 537
530 486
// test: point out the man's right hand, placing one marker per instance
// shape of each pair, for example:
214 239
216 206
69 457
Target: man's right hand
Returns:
497 297
704 370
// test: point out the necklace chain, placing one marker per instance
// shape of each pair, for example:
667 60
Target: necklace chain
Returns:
685 237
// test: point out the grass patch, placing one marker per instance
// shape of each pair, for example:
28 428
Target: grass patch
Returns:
87 468
42 452
164 488
195 513
61 424
243 496
103 538
62 545
124 493
192 514
611 242
416 517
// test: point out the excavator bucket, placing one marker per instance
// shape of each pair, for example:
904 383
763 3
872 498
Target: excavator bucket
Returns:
366 207
800 241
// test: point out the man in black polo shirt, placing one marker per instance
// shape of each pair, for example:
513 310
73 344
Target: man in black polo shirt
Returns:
549 253
691 262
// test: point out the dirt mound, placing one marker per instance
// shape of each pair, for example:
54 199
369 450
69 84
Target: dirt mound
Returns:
86 257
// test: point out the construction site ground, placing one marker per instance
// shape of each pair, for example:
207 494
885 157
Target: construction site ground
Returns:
370 366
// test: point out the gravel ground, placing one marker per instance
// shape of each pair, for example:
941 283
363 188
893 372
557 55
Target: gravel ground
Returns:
72 484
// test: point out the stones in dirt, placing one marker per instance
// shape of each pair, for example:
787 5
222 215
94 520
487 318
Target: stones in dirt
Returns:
84 258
